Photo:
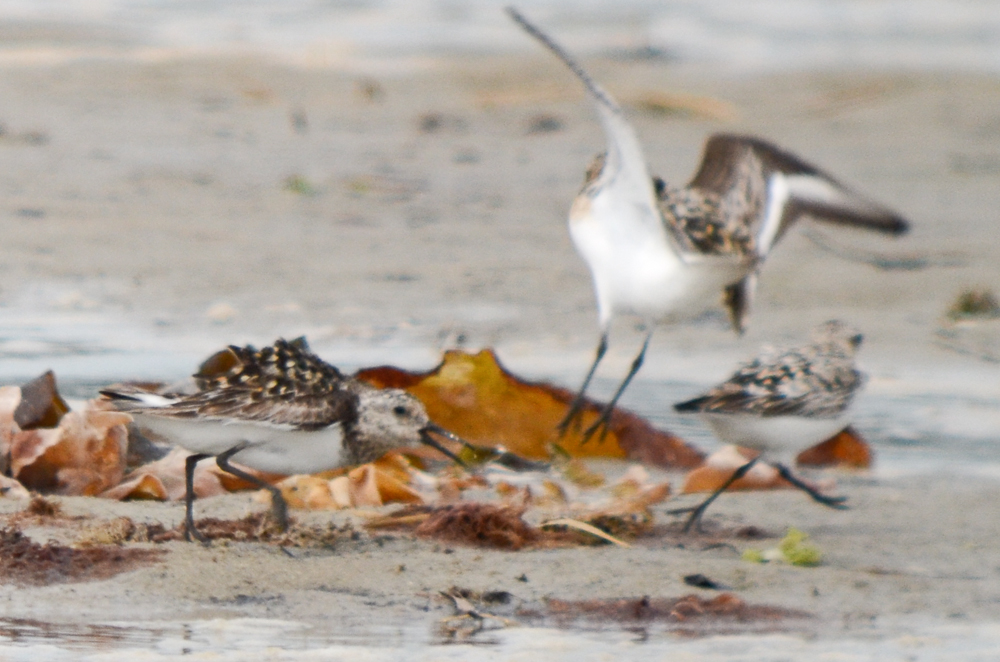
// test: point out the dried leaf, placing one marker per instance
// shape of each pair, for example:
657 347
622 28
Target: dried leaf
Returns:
846 449
477 399
144 487
720 465
340 491
393 490
85 455
233 483
363 487
374 484
648 496
12 489
41 405
304 491
10 397
164 479
585 528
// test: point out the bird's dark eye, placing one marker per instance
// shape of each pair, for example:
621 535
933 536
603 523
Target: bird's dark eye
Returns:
399 410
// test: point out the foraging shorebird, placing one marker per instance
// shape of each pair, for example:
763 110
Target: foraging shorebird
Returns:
280 409
665 254
783 401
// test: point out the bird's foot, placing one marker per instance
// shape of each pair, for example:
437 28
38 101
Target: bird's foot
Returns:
837 502
603 423
573 420
192 534
694 521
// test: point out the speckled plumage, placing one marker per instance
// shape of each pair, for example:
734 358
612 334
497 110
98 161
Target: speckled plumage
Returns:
280 409
281 384
282 391
817 380
783 401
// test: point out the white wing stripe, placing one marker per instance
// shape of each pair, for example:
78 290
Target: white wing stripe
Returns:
778 192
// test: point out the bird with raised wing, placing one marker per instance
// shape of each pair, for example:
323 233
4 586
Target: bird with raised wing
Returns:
663 253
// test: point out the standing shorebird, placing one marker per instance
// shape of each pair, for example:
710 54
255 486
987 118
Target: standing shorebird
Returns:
280 409
784 401
664 254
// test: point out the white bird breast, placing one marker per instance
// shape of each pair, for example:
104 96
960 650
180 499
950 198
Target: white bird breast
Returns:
780 434
272 448
636 270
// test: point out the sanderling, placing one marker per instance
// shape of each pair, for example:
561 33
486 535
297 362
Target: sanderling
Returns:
662 253
785 400
280 409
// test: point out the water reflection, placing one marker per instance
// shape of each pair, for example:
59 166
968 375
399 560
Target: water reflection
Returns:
83 636
24 640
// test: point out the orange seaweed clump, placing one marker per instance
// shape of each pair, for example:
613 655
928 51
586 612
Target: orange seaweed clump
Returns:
845 449
476 398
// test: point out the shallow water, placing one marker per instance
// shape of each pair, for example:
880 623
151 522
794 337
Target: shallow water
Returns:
260 639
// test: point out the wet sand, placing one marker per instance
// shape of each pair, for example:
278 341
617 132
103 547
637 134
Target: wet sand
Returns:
155 211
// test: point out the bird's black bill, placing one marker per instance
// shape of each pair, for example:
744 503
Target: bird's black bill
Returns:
427 439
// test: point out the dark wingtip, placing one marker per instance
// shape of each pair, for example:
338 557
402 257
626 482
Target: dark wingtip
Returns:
898 225
116 395
690 406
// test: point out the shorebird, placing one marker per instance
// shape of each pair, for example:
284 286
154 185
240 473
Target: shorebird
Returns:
664 254
280 409
783 401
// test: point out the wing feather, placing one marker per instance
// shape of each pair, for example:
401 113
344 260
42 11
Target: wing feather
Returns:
795 188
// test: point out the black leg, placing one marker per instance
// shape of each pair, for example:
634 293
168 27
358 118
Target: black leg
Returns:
605 417
279 509
572 414
189 529
832 502
699 511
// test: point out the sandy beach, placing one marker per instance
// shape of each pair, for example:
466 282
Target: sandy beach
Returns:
156 209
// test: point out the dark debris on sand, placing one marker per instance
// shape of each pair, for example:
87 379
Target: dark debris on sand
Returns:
258 527
480 524
497 526
723 613
690 614
26 562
